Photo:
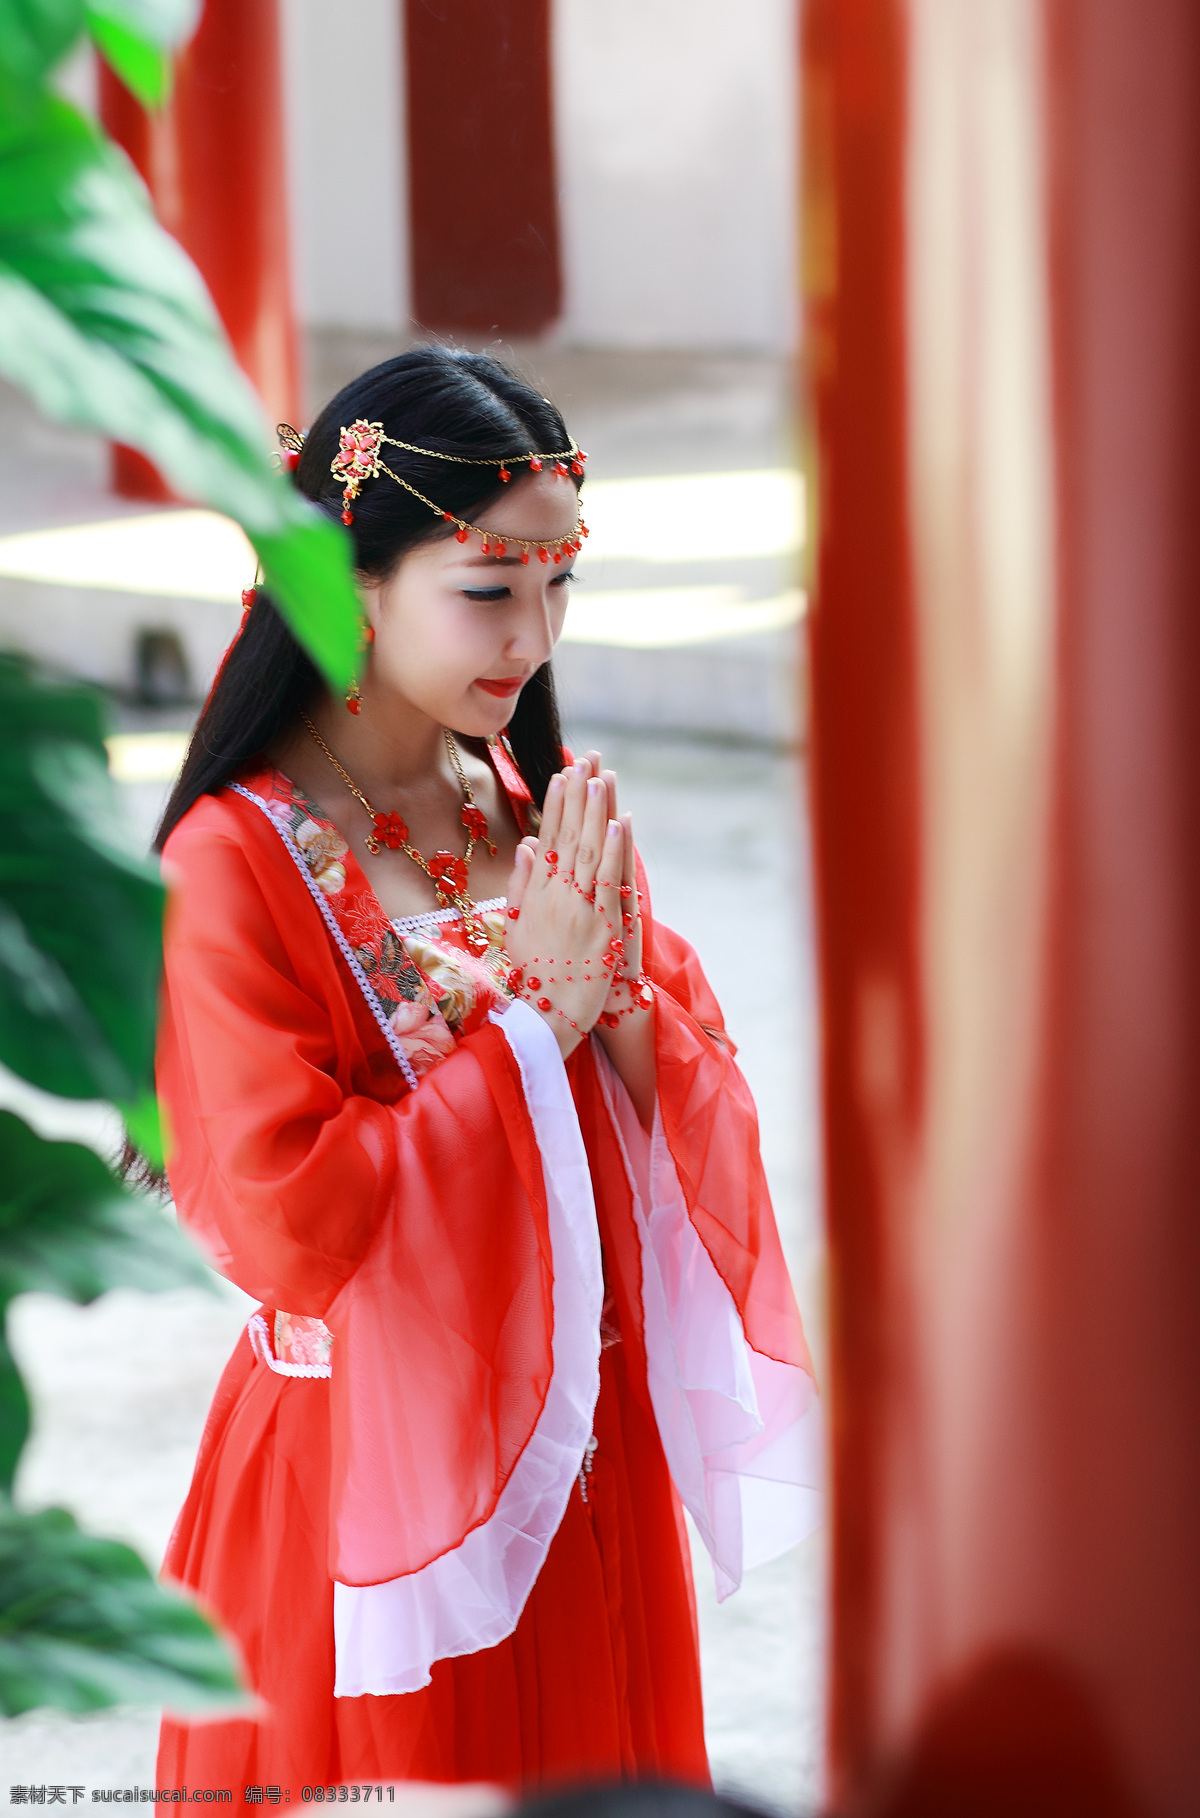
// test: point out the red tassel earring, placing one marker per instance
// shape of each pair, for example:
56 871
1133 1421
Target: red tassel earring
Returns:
353 698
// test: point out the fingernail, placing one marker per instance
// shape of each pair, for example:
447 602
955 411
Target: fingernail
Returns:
580 769
556 782
614 830
593 787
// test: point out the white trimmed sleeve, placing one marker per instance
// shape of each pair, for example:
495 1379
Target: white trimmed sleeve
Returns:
742 1433
388 1635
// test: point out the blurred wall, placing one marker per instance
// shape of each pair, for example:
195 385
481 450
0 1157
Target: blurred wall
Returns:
676 128
347 163
675 125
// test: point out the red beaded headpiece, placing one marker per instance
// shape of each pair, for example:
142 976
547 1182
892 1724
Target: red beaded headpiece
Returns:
358 459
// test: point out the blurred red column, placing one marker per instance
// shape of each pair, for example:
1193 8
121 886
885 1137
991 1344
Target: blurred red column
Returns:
214 161
864 754
1003 251
482 186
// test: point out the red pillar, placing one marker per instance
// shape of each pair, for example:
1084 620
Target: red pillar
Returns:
214 161
864 758
1004 277
483 193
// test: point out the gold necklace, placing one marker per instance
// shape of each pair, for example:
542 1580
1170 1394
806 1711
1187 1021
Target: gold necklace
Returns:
447 872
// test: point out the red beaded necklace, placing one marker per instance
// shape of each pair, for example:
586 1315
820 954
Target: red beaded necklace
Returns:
447 872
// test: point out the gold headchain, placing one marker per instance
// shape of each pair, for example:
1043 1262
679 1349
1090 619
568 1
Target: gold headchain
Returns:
359 459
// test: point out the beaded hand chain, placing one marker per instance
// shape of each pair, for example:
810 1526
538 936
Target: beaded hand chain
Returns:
447 871
359 459
523 983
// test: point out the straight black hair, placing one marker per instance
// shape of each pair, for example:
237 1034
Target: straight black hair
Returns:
441 398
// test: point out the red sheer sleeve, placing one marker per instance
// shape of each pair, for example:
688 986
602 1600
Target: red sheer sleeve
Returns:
297 1154
711 1129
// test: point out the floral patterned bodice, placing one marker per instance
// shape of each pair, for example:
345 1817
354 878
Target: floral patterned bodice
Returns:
459 988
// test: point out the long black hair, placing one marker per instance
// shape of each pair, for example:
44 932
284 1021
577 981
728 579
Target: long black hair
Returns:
459 403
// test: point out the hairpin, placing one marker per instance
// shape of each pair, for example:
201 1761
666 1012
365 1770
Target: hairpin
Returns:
291 446
359 459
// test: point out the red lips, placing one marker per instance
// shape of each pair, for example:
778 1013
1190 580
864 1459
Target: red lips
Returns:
506 685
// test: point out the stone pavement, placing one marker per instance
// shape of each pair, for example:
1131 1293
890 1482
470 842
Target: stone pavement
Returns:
121 1389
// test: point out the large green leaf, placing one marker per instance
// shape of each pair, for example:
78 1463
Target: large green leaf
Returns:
107 324
14 1410
34 36
134 36
166 23
143 68
67 1226
83 1625
143 1121
80 920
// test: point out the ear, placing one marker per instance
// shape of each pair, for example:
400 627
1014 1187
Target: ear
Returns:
370 591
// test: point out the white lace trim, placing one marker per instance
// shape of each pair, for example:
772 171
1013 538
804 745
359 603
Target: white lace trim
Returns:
260 1339
433 918
331 922
388 1635
742 1432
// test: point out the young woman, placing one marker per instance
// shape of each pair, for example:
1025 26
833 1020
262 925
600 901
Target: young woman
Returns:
446 1099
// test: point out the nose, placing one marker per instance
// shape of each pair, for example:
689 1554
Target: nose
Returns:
533 633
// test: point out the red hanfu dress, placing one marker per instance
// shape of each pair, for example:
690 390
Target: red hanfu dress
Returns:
505 1334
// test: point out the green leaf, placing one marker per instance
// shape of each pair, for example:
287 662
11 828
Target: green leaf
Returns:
80 920
143 1126
305 567
166 23
34 36
68 1227
134 36
14 1411
83 1625
107 324
143 68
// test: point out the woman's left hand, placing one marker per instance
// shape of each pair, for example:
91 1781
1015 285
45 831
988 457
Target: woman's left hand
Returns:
631 913
630 1041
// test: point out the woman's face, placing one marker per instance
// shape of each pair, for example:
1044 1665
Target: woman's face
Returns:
458 633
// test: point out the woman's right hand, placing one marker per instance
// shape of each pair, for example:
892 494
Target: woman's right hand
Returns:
565 887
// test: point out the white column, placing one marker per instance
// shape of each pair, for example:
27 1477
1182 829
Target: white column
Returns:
677 147
347 162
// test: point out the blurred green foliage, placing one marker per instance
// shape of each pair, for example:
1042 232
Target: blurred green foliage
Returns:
105 322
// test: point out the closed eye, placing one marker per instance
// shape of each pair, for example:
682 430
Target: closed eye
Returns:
489 594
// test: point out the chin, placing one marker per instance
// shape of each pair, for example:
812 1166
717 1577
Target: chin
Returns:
478 719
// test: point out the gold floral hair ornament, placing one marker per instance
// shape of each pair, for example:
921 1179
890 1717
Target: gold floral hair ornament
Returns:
359 459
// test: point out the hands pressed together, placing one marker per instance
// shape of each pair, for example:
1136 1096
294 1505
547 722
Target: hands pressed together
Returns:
575 931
